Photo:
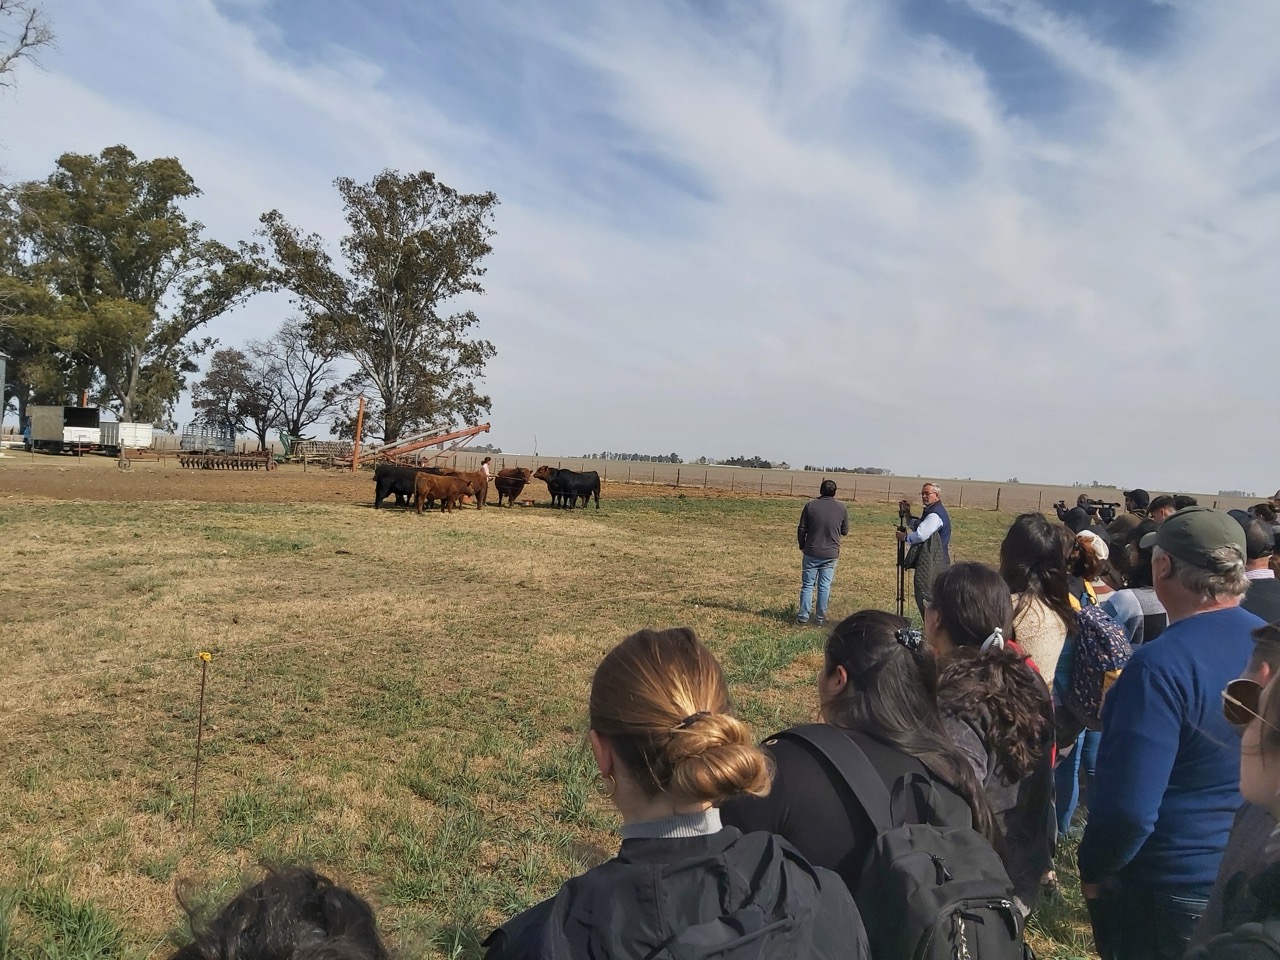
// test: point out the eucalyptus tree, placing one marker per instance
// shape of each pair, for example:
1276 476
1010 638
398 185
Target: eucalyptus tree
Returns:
413 248
120 278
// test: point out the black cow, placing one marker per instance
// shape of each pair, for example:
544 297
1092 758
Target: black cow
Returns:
568 486
392 478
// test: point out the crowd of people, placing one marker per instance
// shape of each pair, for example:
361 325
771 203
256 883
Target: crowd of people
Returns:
922 815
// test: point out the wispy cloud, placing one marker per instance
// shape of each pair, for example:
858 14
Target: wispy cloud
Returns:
977 238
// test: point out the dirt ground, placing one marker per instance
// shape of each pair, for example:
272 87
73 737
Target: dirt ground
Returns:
24 475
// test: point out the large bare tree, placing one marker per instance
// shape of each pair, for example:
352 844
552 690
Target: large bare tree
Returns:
297 374
413 246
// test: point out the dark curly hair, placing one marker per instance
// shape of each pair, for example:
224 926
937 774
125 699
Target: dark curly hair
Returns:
997 689
293 913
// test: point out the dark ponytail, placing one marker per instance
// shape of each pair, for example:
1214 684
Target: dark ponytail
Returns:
892 695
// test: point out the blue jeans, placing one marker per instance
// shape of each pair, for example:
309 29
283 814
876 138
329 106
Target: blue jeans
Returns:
815 569
1066 778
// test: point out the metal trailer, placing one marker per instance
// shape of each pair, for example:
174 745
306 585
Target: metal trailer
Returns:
206 438
118 436
56 429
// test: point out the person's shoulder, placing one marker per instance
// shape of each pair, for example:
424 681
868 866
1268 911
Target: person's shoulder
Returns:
1250 941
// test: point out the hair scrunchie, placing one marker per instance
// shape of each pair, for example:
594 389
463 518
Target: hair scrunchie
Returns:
913 640
995 641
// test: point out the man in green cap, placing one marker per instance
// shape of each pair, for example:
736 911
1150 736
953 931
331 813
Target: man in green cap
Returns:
1166 785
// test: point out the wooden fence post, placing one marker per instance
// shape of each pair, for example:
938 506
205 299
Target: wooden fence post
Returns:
732 474
855 488
762 484
998 489
677 477
705 474
888 494
793 486
961 503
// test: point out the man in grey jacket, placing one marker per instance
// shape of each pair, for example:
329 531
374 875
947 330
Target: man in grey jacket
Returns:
822 523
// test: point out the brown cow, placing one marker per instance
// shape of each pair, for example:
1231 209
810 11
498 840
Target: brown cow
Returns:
510 482
448 490
477 484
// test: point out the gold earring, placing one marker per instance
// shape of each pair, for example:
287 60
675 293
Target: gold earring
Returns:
612 788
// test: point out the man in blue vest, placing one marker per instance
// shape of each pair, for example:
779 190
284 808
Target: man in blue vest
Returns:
932 531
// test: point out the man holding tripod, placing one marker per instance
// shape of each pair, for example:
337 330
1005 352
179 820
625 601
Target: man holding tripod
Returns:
932 534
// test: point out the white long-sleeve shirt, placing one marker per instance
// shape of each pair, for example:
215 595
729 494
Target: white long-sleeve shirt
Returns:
925 529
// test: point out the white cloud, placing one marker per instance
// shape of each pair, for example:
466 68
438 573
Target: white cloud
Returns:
878 263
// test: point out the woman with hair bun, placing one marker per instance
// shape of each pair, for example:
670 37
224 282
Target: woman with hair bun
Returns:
669 750
878 685
999 713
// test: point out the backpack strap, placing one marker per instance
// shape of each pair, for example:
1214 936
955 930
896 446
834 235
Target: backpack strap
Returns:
852 765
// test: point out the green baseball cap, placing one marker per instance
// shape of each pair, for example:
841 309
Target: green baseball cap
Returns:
1193 533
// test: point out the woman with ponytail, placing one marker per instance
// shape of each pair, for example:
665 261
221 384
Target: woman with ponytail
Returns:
669 751
998 711
1033 562
877 685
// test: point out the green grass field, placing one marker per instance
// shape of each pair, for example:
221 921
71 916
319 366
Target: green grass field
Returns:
398 699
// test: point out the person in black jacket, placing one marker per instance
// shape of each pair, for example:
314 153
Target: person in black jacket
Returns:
1263 596
999 713
1248 703
878 684
668 749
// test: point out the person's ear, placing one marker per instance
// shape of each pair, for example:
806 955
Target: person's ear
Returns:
839 679
603 752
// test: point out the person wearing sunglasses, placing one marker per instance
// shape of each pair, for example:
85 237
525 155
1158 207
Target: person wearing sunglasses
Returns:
1233 902
1255 709
1165 789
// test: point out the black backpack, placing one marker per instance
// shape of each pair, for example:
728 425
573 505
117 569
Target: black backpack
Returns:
927 892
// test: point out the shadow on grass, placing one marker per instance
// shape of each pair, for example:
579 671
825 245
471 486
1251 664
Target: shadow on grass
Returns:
780 614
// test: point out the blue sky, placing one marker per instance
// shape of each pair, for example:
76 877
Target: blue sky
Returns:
984 238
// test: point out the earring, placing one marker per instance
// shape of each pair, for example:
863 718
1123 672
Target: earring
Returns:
602 790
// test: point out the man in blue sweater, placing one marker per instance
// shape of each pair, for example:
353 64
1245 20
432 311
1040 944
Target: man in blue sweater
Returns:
1166 786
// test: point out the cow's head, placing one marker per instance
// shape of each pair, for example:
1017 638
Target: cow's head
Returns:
542 473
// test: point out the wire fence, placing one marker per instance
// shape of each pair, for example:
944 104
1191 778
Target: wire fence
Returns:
850 487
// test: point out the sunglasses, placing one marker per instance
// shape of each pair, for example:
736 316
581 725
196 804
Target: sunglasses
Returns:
1240 702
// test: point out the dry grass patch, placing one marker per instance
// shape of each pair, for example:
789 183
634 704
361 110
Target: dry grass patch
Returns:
397 698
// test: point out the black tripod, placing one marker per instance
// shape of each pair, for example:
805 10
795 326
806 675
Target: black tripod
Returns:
904 516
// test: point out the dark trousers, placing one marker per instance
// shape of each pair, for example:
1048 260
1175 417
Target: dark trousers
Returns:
1137 924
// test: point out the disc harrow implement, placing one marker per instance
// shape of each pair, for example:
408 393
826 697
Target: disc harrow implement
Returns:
260 460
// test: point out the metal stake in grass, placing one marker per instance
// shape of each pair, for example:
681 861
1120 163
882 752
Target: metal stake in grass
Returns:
205 657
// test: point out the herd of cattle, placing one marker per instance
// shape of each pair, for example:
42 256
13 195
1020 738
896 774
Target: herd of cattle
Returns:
423 486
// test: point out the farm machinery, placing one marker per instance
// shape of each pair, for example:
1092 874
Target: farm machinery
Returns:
416 448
